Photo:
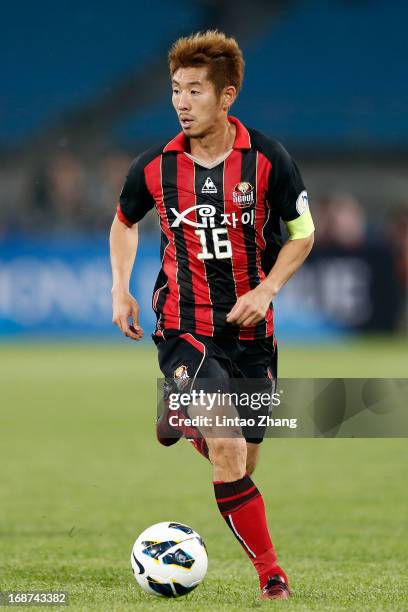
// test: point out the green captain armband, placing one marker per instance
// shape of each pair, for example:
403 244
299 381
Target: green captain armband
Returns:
301 227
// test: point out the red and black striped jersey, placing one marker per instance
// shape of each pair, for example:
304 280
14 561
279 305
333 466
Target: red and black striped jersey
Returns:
220 226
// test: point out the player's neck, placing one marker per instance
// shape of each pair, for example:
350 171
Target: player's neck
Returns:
215 144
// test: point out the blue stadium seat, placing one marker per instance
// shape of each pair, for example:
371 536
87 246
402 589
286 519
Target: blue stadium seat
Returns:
57 56
323 74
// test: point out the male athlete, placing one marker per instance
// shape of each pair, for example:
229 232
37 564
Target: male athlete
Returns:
220 190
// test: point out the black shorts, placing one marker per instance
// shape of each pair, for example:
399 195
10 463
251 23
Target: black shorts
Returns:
227 362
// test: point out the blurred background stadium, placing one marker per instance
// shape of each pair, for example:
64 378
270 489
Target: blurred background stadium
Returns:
84 89
87 89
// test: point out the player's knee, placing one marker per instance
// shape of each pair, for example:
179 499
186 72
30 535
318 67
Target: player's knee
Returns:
227 446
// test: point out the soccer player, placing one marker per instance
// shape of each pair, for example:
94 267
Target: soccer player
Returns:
220 190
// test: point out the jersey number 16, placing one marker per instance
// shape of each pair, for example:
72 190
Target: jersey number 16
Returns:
222 246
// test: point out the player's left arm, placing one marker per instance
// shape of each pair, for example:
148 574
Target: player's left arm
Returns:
287 188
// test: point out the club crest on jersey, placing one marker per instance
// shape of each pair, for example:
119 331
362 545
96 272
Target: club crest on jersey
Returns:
181 376
209 186
243 194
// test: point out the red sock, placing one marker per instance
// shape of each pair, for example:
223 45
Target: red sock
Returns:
166 431
201 446
243 509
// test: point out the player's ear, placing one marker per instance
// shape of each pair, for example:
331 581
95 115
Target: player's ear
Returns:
228 97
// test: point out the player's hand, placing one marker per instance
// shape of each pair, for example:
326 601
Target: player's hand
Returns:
126 314
250 308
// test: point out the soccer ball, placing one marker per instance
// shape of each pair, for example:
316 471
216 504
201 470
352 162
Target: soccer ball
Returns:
169 559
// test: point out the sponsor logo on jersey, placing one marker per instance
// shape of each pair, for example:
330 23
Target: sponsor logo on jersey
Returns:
181 376
205 217
302 203
243 195
209 186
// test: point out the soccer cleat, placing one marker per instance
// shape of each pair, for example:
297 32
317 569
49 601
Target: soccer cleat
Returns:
170 434
275 588
165 433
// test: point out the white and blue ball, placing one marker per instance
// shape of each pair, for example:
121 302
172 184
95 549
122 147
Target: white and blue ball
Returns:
169 559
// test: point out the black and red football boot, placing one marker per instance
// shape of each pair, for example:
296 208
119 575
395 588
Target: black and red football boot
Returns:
275 588
167 434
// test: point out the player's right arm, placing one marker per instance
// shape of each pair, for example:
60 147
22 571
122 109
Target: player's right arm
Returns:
123 247
134 202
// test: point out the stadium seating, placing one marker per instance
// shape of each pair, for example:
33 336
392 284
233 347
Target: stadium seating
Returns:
320 73
57 57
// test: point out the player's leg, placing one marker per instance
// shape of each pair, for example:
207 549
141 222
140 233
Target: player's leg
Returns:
252 457
238 498
240 502
242 506
180 359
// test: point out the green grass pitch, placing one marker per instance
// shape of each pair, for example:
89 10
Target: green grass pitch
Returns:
81 475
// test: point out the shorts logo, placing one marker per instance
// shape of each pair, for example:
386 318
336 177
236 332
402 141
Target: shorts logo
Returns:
302 203
181 376
243 195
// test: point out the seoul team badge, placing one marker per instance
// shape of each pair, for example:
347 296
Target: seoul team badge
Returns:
243 194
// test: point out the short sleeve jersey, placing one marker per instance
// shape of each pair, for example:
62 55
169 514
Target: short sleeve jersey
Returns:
220 227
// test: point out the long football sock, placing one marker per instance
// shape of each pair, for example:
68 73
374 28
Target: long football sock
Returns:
243 509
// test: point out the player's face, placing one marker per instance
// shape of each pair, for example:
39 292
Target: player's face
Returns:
196 103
